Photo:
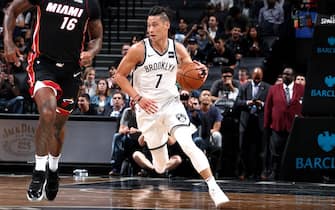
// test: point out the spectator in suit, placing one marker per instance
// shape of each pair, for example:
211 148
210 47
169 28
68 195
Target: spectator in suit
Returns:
283 104
252 148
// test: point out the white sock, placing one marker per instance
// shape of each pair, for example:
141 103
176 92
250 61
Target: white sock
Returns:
41 162
211 182
53 162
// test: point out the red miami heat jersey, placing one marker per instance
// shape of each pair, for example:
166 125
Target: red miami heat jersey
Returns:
60 28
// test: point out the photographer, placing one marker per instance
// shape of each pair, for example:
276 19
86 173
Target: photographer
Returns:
224 94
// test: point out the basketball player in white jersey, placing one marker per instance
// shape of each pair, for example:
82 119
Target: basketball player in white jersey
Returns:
159 111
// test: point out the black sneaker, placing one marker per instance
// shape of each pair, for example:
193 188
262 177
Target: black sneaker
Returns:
36 187
52 184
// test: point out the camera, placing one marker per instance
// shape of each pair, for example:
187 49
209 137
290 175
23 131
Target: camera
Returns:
200 27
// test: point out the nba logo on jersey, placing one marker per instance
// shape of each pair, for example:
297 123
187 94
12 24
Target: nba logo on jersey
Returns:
171 54
78 1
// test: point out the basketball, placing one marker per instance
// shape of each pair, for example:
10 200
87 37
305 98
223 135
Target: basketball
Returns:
188 77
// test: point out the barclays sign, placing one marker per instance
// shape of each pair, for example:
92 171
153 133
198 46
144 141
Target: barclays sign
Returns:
327 20
326 142
325 93
329 49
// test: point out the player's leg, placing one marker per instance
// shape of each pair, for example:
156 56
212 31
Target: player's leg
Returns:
160 158
55 147
46 103
183 135
65 105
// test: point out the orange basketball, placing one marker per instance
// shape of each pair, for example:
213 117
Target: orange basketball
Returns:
189 78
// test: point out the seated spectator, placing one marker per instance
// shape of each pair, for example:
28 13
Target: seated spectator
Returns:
21 45
181 30
213 27
128 133
101 99
237 43
220 55
210 138
11 100
135 38
124 49
193 50
89 81
144 160
83 106
116 106
112 85
200 34
271 16
256 47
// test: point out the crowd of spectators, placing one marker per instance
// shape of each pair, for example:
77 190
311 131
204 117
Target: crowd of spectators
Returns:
228 117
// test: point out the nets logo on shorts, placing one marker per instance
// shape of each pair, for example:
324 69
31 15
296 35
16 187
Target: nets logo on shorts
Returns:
181 117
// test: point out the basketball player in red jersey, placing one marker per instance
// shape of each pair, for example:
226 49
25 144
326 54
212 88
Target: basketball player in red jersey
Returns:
159 111
54 67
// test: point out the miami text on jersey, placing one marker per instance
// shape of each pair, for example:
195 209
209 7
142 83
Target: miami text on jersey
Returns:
64 9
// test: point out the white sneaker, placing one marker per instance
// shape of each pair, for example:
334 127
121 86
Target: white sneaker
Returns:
218 196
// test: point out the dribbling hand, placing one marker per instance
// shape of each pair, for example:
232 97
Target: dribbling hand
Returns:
203 70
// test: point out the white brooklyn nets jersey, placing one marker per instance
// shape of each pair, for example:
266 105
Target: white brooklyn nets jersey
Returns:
156 77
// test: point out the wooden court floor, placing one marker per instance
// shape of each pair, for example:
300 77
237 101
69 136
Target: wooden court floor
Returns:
163 193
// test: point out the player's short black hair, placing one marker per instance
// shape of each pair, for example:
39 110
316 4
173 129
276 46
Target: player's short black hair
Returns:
159 11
